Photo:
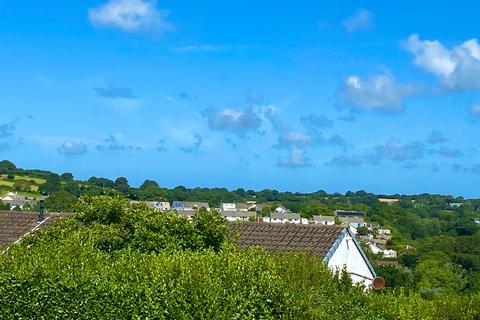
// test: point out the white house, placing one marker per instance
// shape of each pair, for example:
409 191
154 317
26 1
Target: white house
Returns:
335 244
233 207
324 220
477 220
389 253
227 207
374 248
283 218
388 201
238 215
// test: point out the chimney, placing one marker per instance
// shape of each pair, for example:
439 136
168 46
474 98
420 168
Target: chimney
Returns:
41 206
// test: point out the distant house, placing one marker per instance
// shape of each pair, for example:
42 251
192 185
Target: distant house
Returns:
383 231
281 210
15 200
477 220
455 204
233 207
374 248
160 206
324 220
335 244
237 215
388 201
347 213
353 221
389 253
283 218
189 205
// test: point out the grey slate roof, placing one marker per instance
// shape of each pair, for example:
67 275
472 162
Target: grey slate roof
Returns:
292 216
286 237
237 213
324 218
189 205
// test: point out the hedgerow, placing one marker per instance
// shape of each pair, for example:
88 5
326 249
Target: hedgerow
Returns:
120 261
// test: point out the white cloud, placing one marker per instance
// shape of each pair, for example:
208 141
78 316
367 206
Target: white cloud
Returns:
131 16
377 92
362 19
72 149
237 121
457 67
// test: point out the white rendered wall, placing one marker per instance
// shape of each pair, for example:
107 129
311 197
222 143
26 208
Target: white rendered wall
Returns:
348 255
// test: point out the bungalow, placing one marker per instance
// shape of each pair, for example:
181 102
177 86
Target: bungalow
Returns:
335 244
189 205
283 218
388 201
324 220
233 207
237 215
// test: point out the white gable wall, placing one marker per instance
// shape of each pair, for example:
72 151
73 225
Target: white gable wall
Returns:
348 254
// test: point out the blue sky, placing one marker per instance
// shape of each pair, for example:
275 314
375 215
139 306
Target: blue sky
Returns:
301 96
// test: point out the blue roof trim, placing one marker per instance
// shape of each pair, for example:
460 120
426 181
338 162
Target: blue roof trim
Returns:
364 256
337 242
335 245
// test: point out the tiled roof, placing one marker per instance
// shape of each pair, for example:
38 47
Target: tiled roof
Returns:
286 237
14 225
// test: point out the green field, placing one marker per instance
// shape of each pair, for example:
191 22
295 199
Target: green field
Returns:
8 185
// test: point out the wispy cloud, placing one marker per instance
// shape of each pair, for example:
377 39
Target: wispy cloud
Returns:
361 20
345 161
161 146
396 150
475 110
196 147
6 130
458 68
317 121
436 137
447 152
134 16
377 92
296 158
297 142
113 143
112 92
72 149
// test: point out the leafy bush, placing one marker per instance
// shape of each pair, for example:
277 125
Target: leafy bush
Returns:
117 260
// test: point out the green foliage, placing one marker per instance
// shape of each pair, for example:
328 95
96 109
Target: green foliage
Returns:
60 201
